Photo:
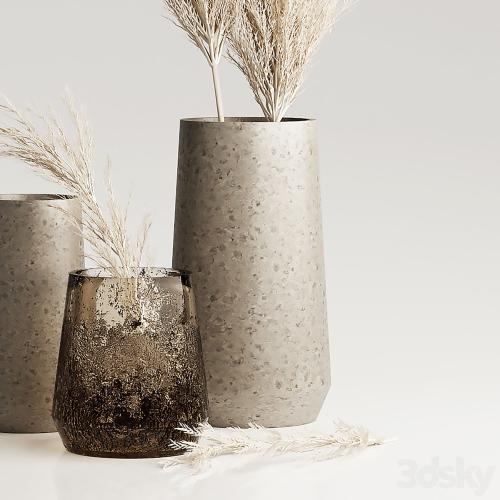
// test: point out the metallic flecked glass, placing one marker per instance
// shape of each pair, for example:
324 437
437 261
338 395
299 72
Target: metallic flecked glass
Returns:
130 365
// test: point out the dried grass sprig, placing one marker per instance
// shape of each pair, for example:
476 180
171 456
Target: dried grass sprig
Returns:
209 443
41 142
272 41
206 23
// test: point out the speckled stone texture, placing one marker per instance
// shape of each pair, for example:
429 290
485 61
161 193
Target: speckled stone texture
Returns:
248 225
130 366
38 248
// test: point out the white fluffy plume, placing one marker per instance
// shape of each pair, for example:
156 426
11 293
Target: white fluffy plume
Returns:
205 442
41 142
272 41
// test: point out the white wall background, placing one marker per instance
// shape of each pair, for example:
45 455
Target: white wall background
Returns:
407 97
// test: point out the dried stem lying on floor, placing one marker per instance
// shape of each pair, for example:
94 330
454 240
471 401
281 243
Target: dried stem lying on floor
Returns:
207 443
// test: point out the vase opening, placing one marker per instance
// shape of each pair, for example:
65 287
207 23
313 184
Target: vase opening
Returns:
244 119
144 272
36 197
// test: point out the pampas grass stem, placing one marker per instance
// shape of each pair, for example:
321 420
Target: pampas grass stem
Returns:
207 23
204 443
41 142
218 92
272 42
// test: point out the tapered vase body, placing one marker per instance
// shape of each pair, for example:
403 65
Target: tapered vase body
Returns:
248 225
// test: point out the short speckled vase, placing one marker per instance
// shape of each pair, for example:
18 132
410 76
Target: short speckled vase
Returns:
130 365
248 224
38 248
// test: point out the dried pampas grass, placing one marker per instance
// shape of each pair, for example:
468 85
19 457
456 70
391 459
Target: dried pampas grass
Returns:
207 23
204 443
41 142
272 41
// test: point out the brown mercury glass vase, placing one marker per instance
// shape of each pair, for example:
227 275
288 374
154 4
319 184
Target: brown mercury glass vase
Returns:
130 365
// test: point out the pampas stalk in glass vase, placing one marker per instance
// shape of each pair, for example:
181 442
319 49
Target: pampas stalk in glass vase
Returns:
41 142
130 364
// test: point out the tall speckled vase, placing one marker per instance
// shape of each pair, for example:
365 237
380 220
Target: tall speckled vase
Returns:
38 248
130 366
248 225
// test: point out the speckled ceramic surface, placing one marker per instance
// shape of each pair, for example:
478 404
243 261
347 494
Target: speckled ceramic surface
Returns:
38 248
248 225
130 367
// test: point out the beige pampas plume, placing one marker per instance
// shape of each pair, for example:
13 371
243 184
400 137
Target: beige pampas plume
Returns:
41 142
272 41
207 23
204 443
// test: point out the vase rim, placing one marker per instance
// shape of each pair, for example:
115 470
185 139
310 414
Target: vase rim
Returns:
246 119
150 272
35 197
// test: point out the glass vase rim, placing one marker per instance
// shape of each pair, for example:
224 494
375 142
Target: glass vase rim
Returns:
35 197
156 272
